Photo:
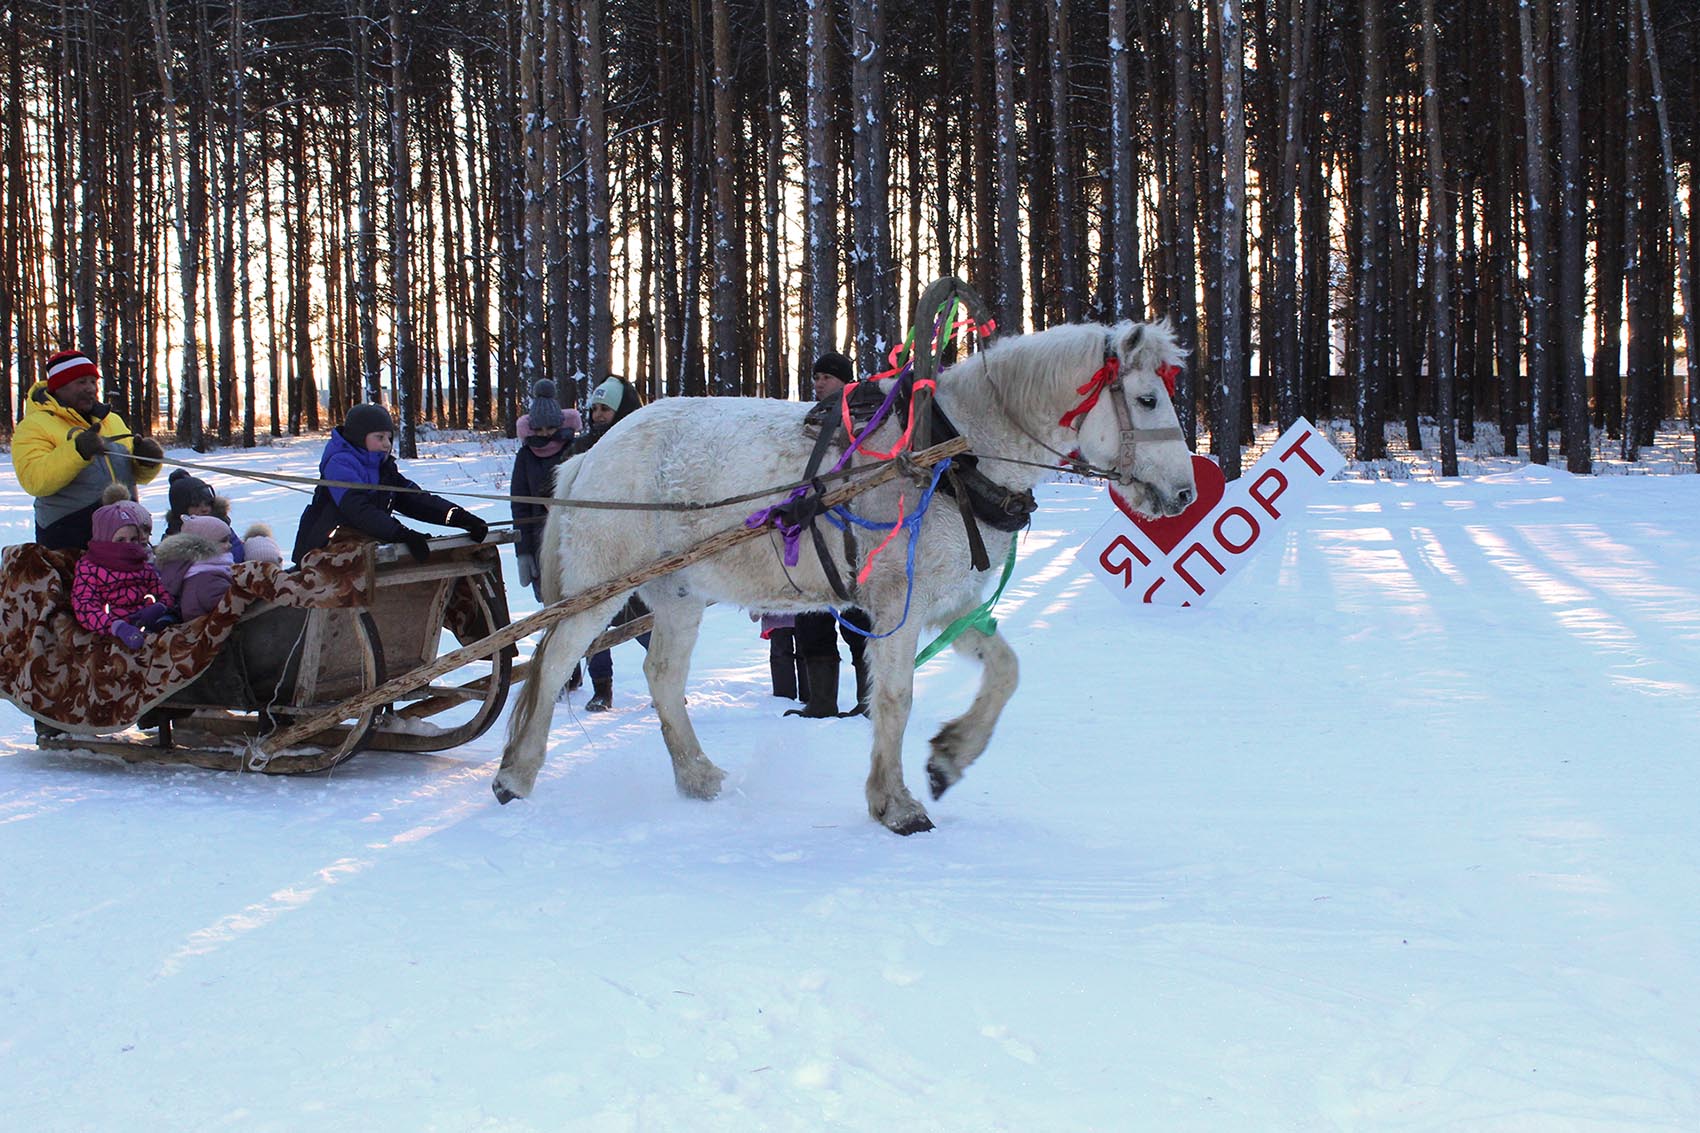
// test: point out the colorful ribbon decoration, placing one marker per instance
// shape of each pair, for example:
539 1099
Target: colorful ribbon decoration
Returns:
1094 386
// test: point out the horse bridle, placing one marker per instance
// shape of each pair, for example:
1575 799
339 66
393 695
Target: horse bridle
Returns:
1129 434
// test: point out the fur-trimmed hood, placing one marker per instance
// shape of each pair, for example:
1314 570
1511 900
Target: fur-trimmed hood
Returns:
185 548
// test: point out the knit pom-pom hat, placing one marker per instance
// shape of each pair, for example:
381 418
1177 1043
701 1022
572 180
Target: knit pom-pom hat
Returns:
66 367
545 411
187 491
259 545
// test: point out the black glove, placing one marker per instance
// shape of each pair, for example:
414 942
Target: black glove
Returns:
468 522
89 445
417 545
146 450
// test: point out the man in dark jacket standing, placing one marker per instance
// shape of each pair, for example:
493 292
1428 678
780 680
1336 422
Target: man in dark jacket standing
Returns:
358 452
816 643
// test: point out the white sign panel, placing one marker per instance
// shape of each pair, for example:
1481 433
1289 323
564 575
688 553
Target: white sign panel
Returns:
1185 560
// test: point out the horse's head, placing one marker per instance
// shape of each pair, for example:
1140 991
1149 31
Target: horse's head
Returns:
1132 432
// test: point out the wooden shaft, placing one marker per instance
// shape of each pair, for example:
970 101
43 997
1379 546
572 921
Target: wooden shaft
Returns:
583 600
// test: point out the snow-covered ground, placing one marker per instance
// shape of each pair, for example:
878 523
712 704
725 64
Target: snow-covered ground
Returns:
1398 833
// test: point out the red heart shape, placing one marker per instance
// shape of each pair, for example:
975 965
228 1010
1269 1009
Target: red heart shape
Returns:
1169 531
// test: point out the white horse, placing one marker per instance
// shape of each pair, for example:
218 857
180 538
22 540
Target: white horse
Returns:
1007 401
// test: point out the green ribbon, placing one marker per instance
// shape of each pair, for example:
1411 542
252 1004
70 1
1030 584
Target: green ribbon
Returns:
979 618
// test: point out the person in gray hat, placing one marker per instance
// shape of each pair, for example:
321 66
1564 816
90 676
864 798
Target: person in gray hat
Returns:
611 402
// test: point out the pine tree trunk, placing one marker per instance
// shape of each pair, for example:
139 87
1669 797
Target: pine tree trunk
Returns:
1011 304
1183 298
1678 229
820 173
872 276
1440 254
725 301
775 374
406 365
1126 279
1282 348
1571 234
599 333
239 131
1069 290
189 424
1231 357
1370 249
1537 250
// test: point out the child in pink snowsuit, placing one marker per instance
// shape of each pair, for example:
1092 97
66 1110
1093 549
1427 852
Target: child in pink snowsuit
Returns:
116 589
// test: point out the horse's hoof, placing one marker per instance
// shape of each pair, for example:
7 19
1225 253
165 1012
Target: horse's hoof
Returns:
941 777
503 795
700 780
915 824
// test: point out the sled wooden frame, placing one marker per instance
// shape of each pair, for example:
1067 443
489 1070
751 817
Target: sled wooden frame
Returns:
367 676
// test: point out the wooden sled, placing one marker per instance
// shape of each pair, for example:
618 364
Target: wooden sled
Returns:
283 665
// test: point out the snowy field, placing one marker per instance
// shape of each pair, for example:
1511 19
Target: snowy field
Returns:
1398 834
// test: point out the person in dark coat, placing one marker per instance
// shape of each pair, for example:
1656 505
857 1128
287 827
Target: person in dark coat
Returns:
545 432
544 440
815 642
359 452
610 403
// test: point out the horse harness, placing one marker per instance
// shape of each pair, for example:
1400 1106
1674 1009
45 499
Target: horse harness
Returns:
979 498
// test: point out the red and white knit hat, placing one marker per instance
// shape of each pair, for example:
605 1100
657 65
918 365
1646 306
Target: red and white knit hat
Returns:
66 367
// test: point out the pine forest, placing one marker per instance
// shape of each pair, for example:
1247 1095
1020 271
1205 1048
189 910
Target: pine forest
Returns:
1457 215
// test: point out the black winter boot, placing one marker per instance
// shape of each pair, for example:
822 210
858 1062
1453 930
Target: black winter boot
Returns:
864 684
603 699
823 688
576 681
782 664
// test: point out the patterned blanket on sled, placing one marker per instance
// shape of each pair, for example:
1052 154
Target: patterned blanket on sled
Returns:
57 671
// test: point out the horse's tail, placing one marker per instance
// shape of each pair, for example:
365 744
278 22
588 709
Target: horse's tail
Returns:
549 553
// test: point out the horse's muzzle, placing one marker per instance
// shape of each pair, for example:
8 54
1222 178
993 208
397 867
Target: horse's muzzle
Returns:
1176 502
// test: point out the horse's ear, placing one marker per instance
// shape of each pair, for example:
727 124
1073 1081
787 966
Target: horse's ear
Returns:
1146 346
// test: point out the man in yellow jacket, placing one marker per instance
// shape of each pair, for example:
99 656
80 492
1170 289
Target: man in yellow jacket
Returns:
69 447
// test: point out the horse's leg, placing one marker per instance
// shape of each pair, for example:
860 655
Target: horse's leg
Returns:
889 800
961 741
528 725
666 665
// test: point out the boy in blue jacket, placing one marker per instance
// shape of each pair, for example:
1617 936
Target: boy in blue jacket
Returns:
359 452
